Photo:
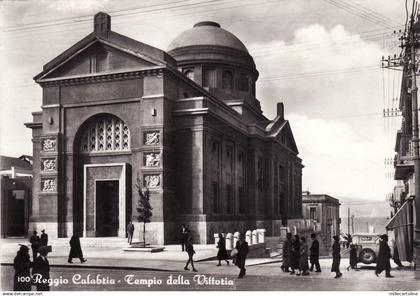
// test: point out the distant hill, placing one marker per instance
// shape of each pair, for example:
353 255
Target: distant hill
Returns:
366 212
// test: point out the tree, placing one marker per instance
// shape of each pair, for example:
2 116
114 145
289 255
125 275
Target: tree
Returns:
144 209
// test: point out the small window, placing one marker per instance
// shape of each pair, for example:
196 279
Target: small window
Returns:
189 73
209 78
243 82
228 80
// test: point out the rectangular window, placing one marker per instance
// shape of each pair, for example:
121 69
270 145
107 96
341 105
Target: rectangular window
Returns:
209 77
312 213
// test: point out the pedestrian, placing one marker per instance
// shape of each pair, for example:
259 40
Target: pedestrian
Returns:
353 257
189 248
384 255
130 231
222 253
242 250
44 239
314 257
336 258
34 240
295 254
286 253
41 270
22 265
75 250
303 258
185 232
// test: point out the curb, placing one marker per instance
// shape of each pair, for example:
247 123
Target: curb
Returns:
104 267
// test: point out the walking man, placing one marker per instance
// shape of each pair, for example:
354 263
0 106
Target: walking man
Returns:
190 250
314 257
242 249
75 250
295 254
222 253
130 232
34 240
384 255
185 232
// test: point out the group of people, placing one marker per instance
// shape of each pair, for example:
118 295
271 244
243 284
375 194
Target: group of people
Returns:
238 254
38 241
296 253
40 267
23 278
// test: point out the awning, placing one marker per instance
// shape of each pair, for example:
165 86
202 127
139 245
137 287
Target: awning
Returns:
403 217
403 227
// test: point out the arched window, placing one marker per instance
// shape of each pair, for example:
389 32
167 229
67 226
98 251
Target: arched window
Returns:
189 74
227 80
105 134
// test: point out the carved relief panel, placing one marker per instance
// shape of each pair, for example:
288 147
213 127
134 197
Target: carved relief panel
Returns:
152 181
48 164
151 159
48 185
49 145
151 138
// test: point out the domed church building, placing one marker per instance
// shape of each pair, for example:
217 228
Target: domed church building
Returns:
185 124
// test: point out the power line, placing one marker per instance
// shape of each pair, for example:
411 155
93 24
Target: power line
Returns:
360 13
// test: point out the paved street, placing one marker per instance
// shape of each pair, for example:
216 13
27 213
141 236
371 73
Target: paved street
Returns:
261 277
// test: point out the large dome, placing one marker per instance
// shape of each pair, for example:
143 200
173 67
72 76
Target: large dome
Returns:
207 33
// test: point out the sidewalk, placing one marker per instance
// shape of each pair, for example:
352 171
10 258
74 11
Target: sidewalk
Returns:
115 258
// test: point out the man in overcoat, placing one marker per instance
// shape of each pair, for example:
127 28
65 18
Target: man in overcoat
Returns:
314 256
243 249
384 255
75 249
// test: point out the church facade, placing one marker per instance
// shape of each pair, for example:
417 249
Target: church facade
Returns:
185 124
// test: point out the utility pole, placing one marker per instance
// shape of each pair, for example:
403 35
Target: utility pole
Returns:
352 224
348 220
412 35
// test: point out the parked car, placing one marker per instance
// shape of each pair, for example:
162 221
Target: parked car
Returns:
367 245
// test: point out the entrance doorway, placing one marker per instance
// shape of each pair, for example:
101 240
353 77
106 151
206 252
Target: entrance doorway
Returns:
16 213
107 208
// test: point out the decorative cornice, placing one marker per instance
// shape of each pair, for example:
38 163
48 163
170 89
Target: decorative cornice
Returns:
104 77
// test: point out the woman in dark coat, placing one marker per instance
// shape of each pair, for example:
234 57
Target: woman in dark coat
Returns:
243 249
336 257
189 248
303 259
295 254
384 254
287 247
22 264
75 250
222 253
353 257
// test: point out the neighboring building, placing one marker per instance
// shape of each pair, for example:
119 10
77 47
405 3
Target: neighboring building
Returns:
186 123
325 210
15 194
401 200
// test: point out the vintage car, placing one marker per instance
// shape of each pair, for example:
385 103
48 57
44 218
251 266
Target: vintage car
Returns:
367 245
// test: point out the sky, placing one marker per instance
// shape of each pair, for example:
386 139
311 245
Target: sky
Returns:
320 57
